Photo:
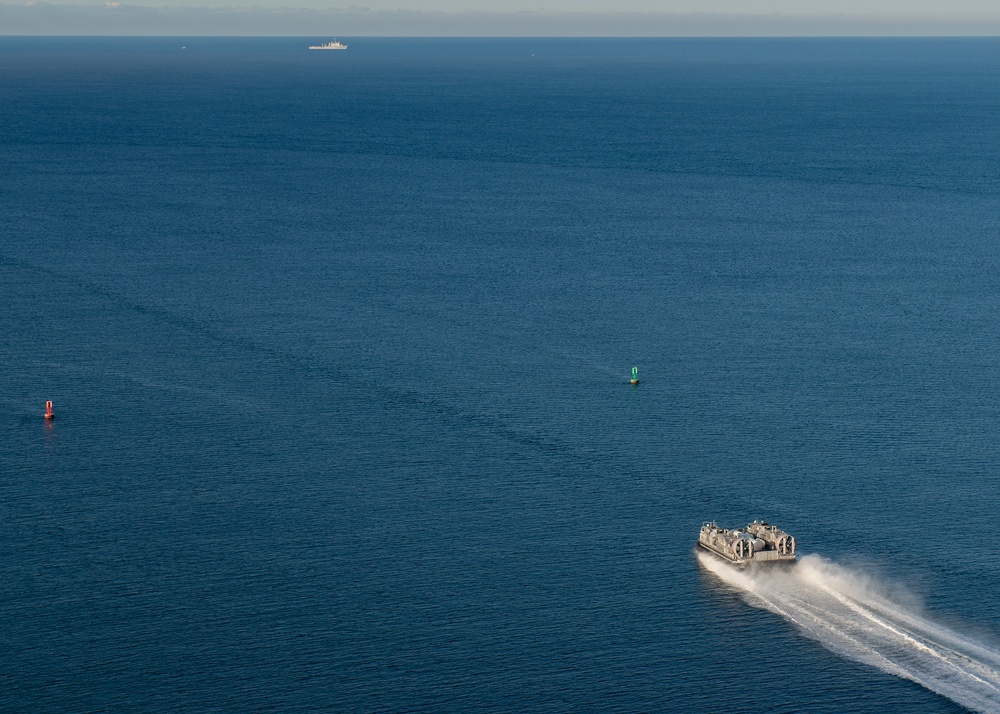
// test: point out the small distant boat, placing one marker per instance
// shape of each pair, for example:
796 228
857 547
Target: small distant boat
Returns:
332 45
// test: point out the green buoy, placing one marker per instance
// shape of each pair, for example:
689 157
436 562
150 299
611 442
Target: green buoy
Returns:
635 376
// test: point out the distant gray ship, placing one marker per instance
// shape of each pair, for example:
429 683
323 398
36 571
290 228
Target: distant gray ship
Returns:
759 542
332 45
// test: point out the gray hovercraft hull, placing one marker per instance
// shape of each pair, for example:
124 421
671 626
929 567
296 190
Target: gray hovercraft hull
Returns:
759 542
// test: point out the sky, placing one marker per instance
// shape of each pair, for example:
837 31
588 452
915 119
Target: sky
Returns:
545 18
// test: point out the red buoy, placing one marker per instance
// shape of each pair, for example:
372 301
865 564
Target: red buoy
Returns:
48 411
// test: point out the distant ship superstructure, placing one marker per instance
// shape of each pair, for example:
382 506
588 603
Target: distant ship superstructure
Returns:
332 45
758 542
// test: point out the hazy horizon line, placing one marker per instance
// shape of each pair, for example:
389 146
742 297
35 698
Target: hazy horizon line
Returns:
116 18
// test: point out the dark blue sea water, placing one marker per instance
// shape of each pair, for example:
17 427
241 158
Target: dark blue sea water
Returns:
339 345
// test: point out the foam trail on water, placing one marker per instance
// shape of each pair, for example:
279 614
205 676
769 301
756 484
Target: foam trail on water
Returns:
851 615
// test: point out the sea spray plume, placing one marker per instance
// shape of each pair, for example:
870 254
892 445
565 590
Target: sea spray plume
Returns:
857 617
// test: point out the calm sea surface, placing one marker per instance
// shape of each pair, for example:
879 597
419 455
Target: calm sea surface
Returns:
339 345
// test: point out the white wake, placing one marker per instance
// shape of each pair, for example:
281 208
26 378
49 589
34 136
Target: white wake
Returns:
852 615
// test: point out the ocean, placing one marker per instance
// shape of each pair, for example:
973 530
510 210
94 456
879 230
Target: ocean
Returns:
339 345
